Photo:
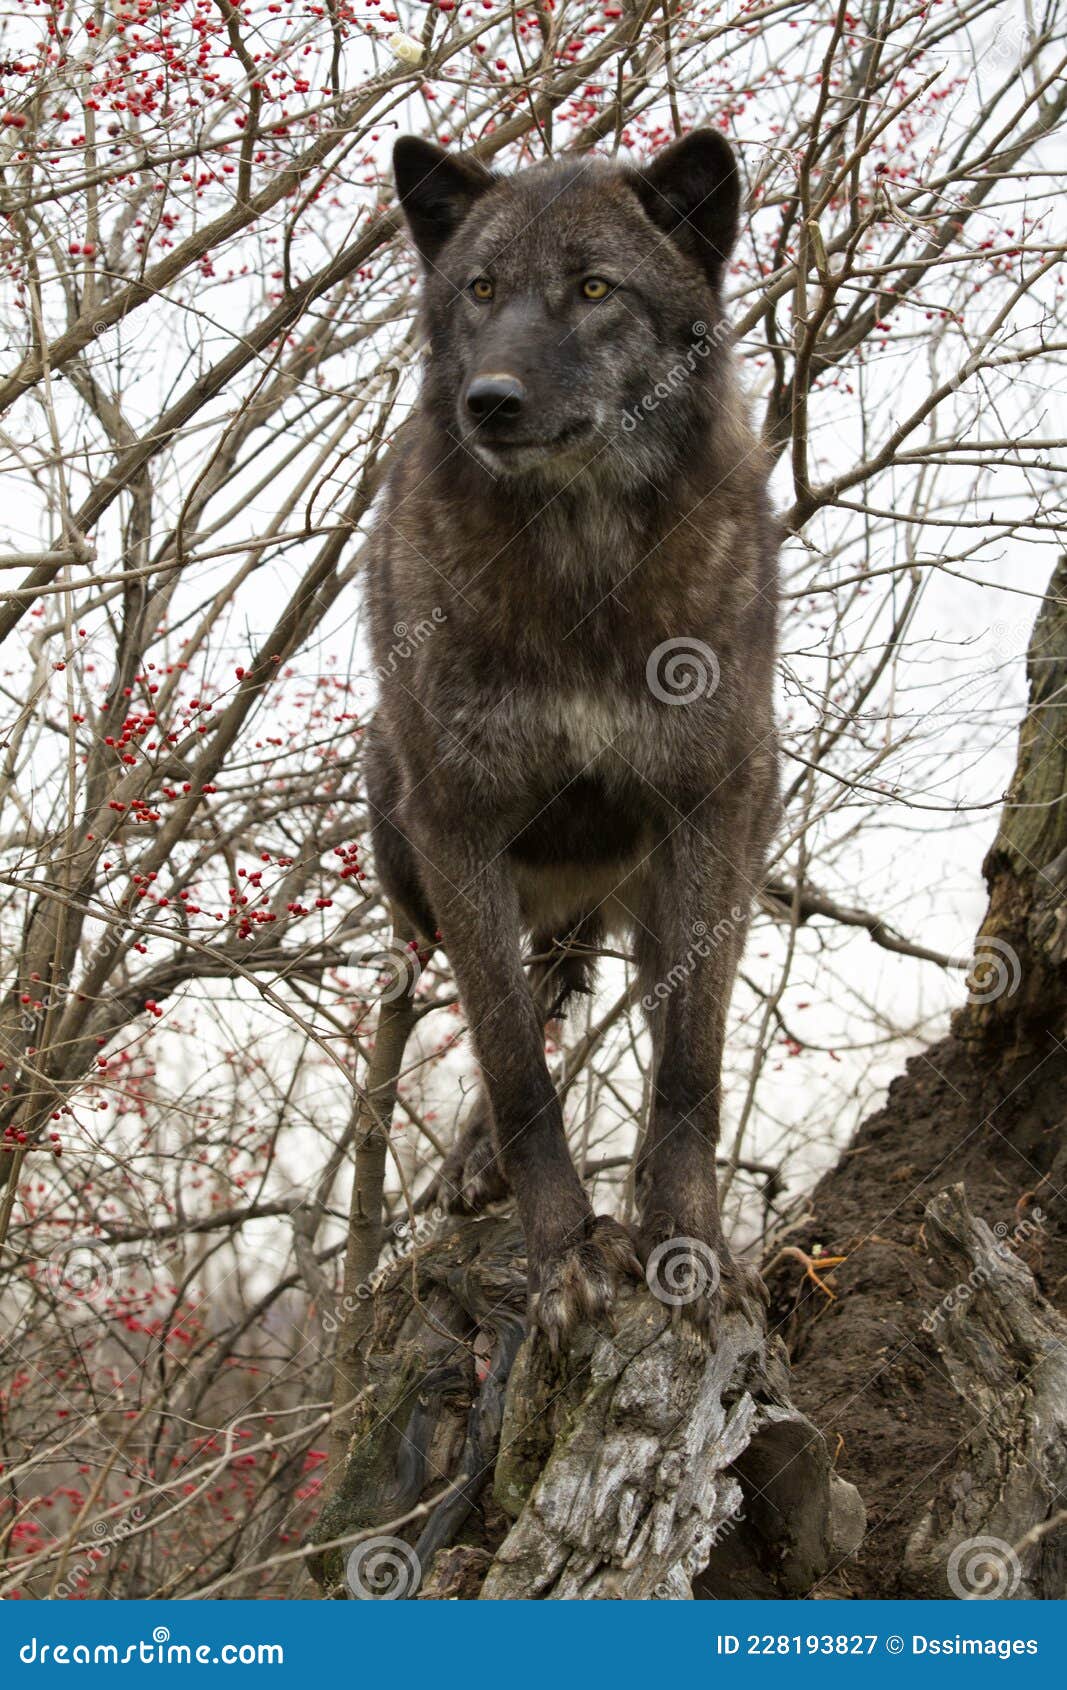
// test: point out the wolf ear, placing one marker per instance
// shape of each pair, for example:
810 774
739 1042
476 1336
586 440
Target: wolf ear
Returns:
436 189
693 192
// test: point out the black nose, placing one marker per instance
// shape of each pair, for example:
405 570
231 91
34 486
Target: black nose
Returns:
499 396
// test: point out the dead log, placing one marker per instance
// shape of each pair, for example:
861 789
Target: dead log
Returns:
638 1464
1005 1350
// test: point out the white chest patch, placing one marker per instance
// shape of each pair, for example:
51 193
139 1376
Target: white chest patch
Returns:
590 724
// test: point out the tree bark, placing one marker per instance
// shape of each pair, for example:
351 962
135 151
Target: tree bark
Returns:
373 1109
1005 1349
1020 973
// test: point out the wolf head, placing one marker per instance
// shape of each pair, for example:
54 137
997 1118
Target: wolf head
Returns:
573 310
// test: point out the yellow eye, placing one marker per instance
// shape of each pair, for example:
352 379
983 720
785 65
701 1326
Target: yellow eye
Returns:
595 287
482 288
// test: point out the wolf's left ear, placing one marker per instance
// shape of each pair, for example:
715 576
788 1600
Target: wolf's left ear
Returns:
693 192
436 189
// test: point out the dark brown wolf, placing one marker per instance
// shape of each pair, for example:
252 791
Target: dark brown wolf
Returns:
585 744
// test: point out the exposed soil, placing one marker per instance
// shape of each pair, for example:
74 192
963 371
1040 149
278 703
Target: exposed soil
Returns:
863 1367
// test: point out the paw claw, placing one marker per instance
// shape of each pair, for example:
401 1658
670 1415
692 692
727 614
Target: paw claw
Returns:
743 1292
578 1284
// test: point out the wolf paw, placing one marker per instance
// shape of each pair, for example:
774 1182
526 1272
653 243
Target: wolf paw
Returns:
699 1282
578 1282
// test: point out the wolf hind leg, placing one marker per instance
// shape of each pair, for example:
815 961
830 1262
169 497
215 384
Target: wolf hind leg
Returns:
471 1176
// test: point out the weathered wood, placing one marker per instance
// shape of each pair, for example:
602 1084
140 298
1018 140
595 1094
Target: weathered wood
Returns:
638 1464
1019 976
447 1321
664 1463
1005 1350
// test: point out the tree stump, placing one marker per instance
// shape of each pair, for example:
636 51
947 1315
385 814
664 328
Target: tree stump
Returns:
638 1464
